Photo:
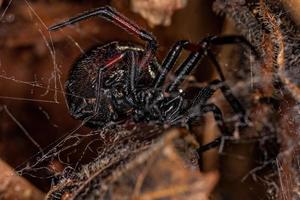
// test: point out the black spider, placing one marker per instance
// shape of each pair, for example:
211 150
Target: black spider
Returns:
113 83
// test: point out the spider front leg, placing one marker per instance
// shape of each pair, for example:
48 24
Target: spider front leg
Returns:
199 51
173 55
169 62
231 39
113 16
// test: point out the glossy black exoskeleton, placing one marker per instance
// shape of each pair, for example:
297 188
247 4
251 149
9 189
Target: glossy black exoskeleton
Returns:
97 88
114 82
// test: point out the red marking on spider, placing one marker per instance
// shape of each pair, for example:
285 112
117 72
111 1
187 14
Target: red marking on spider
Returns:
114 60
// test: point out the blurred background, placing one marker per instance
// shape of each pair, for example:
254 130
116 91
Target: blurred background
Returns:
34 66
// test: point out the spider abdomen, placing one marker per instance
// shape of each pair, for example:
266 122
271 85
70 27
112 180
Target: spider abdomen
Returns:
96 88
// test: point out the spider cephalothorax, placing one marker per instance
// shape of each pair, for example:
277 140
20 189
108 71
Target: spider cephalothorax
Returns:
115 82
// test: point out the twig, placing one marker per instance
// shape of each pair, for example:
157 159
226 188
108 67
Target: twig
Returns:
15 187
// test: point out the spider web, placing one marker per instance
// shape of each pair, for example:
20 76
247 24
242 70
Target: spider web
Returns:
34 108
41 90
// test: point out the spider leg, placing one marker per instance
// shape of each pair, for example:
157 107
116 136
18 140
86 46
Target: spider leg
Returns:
131 86
132 77
111 15
169 62
216 64
199 51
99 82
216 142
98 92
120 20
174 53
232 100
217 115
231 39
220 122
184 69
174 106
206 92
